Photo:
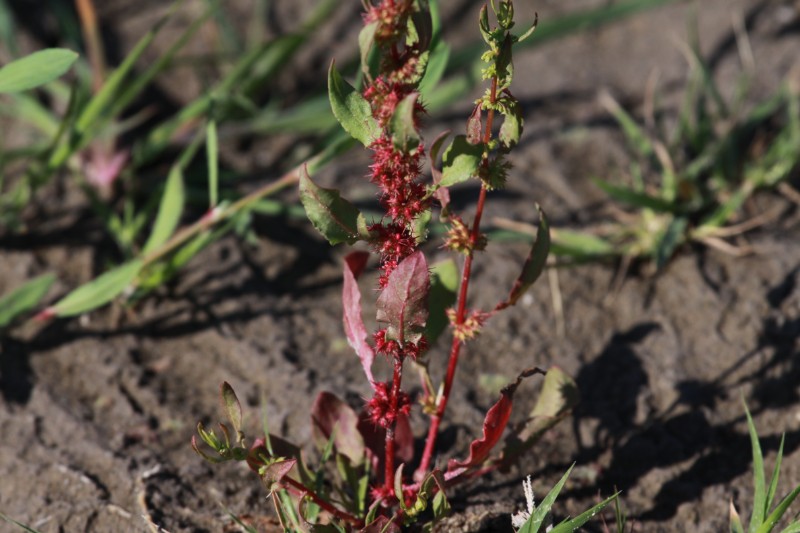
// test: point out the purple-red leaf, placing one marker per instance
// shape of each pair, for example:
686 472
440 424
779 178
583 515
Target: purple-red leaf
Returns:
354 327
474 126
403 304
441 193
493 426
331 416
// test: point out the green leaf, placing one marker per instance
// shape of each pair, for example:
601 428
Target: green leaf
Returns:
402 127
460 161
571 525
759 485
97 292
351 109
169 211
333 216
537 517
231 404
673 237
779 511
511 130
24 298
365 39
634 198
580 245
444 283
35 69
398 487
212 151
534 264
437 64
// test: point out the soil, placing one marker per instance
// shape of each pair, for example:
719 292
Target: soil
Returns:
97 413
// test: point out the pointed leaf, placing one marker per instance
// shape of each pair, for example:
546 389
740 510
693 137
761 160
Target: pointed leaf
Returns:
97 292
169 211
398 487
460 161
333 216
351 109
35 69
537 517
232 406
759 484
573 524
24 298
534 264
354 327
780 510
330 416
366 37
402 125
403 303
493 426
474 126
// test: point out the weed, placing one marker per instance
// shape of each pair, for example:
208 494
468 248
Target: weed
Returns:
373 450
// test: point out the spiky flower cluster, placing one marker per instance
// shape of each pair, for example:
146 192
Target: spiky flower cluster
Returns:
396 164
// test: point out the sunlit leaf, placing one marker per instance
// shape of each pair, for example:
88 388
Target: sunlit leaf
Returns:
403 303
460 161
351 109
169 211
333 216
97 292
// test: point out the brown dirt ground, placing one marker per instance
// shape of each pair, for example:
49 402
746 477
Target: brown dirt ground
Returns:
97 413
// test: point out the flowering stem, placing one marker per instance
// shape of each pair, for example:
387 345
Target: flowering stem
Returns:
301 490
461 311
390 436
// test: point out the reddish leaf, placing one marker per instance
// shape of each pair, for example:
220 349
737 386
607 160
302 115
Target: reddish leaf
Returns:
354 327
403 304
493 426
442 193
330 414
474 126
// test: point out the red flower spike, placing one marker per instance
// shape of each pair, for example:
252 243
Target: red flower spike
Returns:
379 407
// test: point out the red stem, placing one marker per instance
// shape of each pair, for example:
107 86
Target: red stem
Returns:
303 491
461 311
390 441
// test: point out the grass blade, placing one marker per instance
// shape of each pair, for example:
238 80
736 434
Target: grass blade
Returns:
98 292
568 526
537 517
759 497
212 150
24 298
169 211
